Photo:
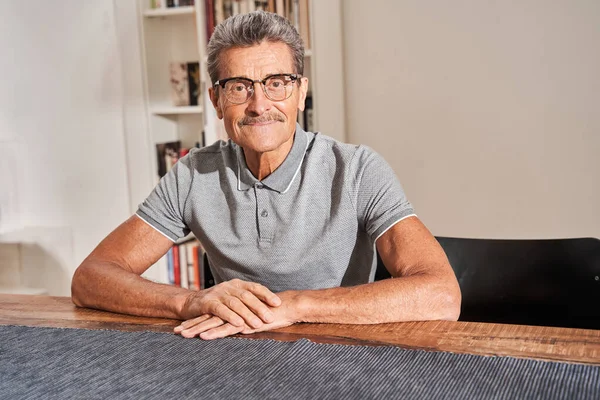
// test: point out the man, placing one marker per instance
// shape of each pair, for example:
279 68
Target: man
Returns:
289 219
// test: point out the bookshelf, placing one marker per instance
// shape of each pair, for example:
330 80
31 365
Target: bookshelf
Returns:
168 110
179 34
167 12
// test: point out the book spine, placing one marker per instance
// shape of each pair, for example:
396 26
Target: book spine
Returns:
176 269
179 79
308 114
170 271
209 8
219 11
183 268
296 14
243 6
192 278
280 7
235 7
196 265
304 23
193 76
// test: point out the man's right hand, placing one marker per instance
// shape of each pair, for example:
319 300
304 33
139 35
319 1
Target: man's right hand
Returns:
237 302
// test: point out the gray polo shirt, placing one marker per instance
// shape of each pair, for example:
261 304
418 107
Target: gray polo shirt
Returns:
311 224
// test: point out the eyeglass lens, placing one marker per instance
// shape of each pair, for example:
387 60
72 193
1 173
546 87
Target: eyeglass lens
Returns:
277 88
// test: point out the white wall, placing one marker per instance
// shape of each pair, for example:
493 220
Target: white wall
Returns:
61 128
489 112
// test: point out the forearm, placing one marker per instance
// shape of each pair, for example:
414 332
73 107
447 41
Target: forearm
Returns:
413 298
106 286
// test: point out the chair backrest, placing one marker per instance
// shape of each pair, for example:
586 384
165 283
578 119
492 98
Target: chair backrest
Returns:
552 282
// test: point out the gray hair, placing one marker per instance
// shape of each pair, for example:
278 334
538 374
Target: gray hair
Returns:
245 30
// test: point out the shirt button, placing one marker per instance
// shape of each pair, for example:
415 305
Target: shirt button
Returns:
259 186
264 213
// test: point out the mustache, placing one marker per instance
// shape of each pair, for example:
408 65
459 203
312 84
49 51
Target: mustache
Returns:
261 119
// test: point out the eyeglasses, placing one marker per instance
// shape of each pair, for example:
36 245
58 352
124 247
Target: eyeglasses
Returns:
276 87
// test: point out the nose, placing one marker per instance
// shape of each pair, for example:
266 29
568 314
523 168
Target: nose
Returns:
258 103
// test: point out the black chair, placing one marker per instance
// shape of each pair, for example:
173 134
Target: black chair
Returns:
552 282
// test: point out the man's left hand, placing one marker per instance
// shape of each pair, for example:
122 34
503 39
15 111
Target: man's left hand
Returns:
209 327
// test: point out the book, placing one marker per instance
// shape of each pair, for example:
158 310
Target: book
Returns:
157 4
191 265
209 11
193 74
280 7
308 114
167 155
243 6
295 15
184 78
227 8
180 90
303 16
219 11
170 271
176 267
183 267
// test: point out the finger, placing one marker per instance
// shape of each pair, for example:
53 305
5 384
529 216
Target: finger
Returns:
238 306
247 330
221 331
262 293
226 314
191 322
204 326
257 307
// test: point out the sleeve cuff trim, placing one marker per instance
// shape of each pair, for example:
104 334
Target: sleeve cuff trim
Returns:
139 215
394 223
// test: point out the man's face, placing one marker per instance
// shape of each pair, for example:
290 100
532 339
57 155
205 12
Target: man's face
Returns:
260 125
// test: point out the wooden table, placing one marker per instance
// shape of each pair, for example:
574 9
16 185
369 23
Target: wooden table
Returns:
561 344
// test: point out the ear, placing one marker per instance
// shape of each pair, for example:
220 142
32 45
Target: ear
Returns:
303 90
214 98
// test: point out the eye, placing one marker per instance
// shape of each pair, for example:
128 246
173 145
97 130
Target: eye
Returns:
237 86
276 82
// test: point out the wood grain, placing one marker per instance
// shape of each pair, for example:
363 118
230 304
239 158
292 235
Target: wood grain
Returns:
545 343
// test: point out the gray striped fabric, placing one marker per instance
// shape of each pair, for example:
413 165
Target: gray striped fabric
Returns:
52 363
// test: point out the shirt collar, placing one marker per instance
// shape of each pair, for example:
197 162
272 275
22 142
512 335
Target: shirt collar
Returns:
281 179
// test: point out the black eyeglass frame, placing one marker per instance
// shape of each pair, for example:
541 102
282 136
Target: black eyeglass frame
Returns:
293 78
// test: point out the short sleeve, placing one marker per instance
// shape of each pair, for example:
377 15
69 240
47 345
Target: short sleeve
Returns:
376 192
163 209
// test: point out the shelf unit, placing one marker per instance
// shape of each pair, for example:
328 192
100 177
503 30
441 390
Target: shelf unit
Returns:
168 12
171 110
179 34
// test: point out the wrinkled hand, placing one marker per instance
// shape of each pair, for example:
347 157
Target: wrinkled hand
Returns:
239 303
209 326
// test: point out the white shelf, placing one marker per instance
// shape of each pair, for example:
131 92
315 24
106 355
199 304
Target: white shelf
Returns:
170 11
167 110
